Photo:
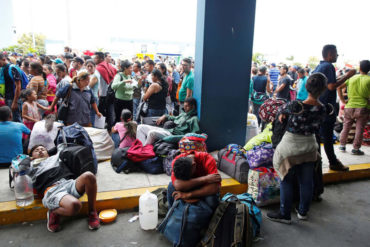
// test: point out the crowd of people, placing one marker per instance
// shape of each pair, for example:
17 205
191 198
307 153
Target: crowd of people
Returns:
34 89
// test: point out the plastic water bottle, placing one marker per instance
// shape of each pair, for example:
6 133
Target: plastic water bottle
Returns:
23 189
148 211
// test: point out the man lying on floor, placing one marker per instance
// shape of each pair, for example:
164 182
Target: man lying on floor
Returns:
54 180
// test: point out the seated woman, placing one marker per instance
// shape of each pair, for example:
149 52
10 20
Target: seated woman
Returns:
186 122
81 100
156 94
10 136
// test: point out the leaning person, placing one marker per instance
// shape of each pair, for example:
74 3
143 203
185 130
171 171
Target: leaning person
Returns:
297 154
186 122
61 193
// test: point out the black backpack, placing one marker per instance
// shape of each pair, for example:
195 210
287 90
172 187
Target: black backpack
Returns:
120 162
231 225
78 159
111 95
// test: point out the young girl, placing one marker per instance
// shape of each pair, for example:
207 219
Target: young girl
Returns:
297 152
30 113
126 129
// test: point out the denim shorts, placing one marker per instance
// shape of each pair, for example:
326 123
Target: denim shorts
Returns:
55 194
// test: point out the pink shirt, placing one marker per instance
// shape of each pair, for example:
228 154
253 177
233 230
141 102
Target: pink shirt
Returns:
51 87
127 142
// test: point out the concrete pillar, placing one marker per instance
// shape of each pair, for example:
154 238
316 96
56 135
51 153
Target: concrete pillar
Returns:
223 54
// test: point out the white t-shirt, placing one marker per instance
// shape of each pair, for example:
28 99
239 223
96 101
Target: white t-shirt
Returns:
39 135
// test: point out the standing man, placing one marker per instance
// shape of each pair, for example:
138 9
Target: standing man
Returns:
106 76
10 87
136 74
149 66
293 73
108 57
283 89
274 75
329 97
187 86
77 66
301 85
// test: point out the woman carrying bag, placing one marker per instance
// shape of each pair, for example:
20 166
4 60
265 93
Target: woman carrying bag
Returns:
77 103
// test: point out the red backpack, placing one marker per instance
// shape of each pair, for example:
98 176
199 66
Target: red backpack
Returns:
137 152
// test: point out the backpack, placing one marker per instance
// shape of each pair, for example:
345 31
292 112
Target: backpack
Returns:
137 152
193 142
231 225
254 211
162 148
111 94
120 162
161 194
78 159
184 222
76 134
24 78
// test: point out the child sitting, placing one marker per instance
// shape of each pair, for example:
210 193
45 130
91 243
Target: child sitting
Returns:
297 154
126 129
30 113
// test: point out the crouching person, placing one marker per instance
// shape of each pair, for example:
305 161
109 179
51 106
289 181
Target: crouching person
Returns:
61 193
193 195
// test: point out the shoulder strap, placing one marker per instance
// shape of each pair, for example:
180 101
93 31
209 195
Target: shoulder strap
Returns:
240 218
123 138
68 96
215 221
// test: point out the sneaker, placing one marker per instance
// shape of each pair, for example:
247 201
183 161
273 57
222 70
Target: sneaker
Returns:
357 152
301 216
339 167
94 222
53 223
276 216
342 148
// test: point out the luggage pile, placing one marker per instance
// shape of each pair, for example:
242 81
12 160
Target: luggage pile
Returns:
157 158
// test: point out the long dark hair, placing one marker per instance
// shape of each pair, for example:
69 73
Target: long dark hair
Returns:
162 80
37 67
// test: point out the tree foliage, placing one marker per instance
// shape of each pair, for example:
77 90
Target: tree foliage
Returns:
313 62
25 44
290 58
258 58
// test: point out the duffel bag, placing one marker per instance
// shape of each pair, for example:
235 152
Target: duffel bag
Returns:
264 186
233 164
260 155
153 166
167 162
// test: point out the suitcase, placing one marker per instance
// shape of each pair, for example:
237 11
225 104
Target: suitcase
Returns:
234 165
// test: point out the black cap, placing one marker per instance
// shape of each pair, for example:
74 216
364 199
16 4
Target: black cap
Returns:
68 55
78 60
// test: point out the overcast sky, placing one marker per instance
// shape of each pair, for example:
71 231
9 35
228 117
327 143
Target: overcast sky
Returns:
283 28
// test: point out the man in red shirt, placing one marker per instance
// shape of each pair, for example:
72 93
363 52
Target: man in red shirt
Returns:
194 177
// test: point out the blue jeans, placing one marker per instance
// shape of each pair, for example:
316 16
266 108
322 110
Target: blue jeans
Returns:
16 113
136 102
211 201
116 139
156 112
304 173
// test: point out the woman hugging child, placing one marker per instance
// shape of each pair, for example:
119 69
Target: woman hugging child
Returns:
126 129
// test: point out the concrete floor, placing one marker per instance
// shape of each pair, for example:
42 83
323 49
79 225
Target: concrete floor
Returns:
341 219
108 180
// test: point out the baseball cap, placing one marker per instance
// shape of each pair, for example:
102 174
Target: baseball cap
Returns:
29 55
68 55
273 64
78 60
57 61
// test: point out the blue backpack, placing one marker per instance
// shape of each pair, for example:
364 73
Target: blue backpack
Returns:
254 211
184 222
21 72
